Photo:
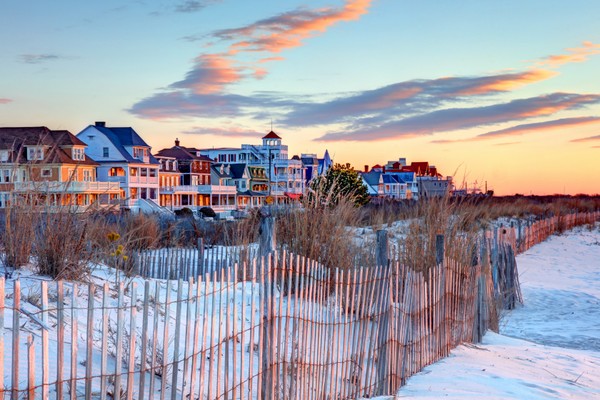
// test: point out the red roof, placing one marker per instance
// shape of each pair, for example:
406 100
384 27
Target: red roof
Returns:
271 135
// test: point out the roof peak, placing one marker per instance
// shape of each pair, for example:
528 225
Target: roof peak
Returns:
271 135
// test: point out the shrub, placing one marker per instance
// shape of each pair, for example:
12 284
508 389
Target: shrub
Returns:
207 212
185 212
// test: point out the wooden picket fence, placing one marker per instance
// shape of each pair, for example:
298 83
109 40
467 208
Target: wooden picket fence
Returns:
281 327
284 328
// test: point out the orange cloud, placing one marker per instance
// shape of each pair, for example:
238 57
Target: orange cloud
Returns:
509 82
540 126
573 55
210 74
587 139
287 30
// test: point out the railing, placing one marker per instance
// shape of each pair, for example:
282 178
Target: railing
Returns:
216 189
53 186
143 179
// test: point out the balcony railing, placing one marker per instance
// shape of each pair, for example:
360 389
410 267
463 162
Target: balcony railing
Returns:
216 189
143 179
68 187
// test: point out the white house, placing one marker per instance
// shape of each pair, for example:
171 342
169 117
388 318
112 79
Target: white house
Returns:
286 176
126 158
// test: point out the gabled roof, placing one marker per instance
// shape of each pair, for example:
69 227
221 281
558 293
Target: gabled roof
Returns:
125 136
177 152
271 135
216 168
15 139
372 178
237 170
196 153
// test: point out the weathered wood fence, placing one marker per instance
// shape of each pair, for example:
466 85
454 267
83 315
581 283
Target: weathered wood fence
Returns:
285 329
281 327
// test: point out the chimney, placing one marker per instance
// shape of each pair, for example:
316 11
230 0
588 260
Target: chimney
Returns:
101 124
366 168
177 142
383 169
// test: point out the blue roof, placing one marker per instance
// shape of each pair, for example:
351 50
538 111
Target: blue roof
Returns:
372 178
121 137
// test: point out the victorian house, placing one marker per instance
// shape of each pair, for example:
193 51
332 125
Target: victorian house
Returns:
124 158
50 167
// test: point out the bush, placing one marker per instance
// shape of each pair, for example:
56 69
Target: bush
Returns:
185 212
207 212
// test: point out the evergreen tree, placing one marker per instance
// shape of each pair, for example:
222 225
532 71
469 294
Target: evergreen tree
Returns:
340 182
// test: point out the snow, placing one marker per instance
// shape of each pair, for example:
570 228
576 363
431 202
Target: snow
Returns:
549 348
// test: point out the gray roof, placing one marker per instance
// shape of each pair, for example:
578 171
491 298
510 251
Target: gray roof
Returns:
125 136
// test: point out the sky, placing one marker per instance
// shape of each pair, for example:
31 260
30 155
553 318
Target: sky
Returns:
504 93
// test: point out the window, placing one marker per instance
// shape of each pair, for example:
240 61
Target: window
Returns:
152 172
222 157
87 175
4 156
144 193
35 153
6 175
46 172
144 172
232 158
153 194
133 171
78 154
105 152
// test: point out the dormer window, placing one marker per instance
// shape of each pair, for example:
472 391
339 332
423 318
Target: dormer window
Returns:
3 155
78 154
35 153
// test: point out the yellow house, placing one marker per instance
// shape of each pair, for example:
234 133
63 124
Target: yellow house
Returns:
50 167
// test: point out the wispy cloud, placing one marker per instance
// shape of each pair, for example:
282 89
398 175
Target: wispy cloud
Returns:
587 139
288 30
464 118
189 6
573 55
407 97
507 144
39 58
5 100
538 126
210 75
213 73
231 131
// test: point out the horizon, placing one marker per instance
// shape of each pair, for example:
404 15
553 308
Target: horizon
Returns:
506 93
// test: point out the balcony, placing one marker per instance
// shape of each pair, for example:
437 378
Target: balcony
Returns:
179 189
143 179
68 187
215 189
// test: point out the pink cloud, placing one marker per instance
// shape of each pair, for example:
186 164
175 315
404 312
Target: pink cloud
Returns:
573 55
507 82
213 72
587 139
5 101
210 74
233 131
539 126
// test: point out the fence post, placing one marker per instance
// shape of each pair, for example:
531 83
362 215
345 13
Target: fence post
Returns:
382 252
267 234
200 259
439 249
383 291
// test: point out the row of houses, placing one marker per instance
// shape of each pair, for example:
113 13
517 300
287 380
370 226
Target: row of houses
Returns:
399 180
105 166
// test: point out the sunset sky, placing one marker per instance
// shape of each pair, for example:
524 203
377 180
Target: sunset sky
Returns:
506 92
